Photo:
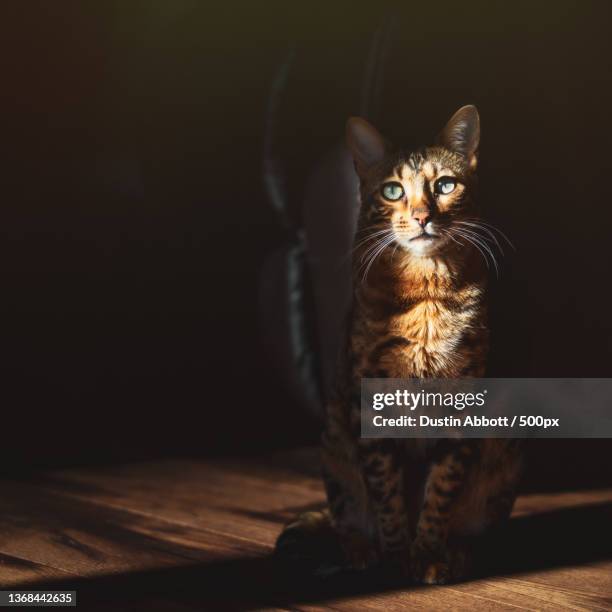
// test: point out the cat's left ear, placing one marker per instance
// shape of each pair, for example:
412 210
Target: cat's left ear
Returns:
462 134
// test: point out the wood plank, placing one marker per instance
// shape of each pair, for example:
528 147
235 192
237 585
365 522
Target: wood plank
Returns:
16 571
534 503
81 538
588 579
215 498
538 595
425 598
193 523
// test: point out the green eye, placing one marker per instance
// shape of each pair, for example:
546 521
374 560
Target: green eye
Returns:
392 191
445 185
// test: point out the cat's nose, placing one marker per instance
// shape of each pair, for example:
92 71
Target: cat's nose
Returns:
421 216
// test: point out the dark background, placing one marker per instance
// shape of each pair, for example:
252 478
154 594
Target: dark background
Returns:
134 222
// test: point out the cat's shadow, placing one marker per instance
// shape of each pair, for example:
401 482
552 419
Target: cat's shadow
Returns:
556 538
561 538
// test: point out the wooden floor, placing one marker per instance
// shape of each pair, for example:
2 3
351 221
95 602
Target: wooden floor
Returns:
187 535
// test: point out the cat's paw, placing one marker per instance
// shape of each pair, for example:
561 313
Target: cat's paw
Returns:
429 563
309 539
312 541
435 564
316 547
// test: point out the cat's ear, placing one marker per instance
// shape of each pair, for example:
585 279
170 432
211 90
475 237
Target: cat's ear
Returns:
462 134
365 143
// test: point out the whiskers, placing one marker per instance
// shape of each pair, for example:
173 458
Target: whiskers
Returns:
481 235
380 240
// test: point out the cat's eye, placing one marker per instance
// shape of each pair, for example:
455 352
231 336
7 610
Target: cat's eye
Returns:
392 191
445 185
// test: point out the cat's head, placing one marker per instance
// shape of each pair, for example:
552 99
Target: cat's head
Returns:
420 200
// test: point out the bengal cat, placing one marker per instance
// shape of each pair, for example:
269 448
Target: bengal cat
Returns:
418 310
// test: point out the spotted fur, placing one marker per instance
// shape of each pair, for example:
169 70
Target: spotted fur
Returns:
419 310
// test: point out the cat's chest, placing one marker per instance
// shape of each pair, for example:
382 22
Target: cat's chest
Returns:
428 325
423 341
433 333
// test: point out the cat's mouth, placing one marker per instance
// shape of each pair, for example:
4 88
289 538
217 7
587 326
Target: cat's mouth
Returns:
423 244
424 236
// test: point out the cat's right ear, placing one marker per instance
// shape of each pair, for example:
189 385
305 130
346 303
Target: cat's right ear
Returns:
366 144
462 134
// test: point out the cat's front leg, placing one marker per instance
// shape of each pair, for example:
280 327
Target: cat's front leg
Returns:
432 561
384 479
